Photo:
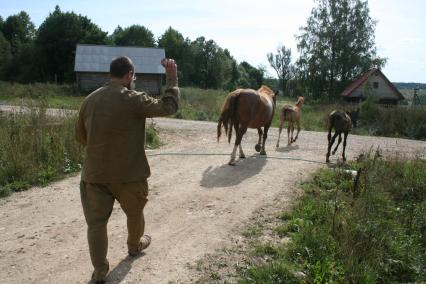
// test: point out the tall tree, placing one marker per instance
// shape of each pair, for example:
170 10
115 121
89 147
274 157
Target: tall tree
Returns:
5 56
56 42
336 45
18 30
254 76
134 35
281 63
208 65
174 44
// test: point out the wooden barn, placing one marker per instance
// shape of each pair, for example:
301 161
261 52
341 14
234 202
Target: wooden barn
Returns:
376 83
92 66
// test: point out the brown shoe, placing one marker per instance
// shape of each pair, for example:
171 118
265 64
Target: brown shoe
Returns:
143 244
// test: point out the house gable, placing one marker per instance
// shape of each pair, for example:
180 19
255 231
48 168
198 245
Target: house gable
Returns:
376 81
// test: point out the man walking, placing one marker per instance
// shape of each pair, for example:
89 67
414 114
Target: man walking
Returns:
111 126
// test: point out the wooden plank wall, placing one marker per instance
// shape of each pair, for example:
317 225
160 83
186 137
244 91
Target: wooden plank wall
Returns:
150 83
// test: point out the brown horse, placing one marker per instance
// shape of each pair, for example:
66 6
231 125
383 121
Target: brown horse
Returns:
291 114
247 108
341 122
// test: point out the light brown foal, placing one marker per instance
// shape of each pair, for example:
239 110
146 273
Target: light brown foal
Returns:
290 113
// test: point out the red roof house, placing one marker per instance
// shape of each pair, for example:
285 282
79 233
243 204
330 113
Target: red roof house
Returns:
375 82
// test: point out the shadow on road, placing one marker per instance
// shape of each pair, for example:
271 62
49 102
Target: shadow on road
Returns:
121 270
287 149
225 175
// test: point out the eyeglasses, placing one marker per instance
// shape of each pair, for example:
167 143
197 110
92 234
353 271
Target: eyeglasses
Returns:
134 76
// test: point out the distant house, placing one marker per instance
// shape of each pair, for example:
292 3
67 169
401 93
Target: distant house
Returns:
92 66
375 83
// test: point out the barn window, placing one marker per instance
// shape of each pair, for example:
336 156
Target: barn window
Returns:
375 85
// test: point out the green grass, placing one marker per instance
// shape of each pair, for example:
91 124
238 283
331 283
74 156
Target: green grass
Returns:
55 96
373 234
36 149
205 105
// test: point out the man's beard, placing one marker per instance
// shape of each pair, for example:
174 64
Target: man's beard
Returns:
132 85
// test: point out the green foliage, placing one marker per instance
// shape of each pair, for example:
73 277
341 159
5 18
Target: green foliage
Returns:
16 48
276 272
135 35
174 44
372 234
18 30
5 55
409 122
152 138
56 41
206 65
281 63
36 149
248 76
336 46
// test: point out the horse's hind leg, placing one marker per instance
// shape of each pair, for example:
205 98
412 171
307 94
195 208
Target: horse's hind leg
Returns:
292 132
344 146
258 147
298 130
338 143
279 133
243 130
288 134
237 142
265 135
330 144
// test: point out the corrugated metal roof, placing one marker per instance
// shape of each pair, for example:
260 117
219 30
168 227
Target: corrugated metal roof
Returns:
97 58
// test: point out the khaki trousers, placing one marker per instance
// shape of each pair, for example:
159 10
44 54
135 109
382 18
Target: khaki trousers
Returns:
98 200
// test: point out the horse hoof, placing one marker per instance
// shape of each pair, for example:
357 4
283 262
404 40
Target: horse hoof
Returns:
231 163
242 156
334 152
257 147
263 153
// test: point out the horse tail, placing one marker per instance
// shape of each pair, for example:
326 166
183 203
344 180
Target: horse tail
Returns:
219 128
284 114
223 121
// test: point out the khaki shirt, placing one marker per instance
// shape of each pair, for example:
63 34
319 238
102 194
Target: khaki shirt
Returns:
111 125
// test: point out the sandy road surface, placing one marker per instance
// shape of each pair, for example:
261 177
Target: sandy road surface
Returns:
197 204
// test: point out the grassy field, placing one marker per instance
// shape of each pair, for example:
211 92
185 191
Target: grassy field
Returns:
198 104
340 233
36 149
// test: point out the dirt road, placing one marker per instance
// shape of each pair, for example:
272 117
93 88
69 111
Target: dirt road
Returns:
197 204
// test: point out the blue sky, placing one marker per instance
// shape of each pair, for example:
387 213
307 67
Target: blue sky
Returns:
250 29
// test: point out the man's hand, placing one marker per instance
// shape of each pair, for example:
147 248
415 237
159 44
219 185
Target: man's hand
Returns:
171 69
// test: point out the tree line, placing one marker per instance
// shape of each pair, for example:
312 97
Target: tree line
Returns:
335 47
47 54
